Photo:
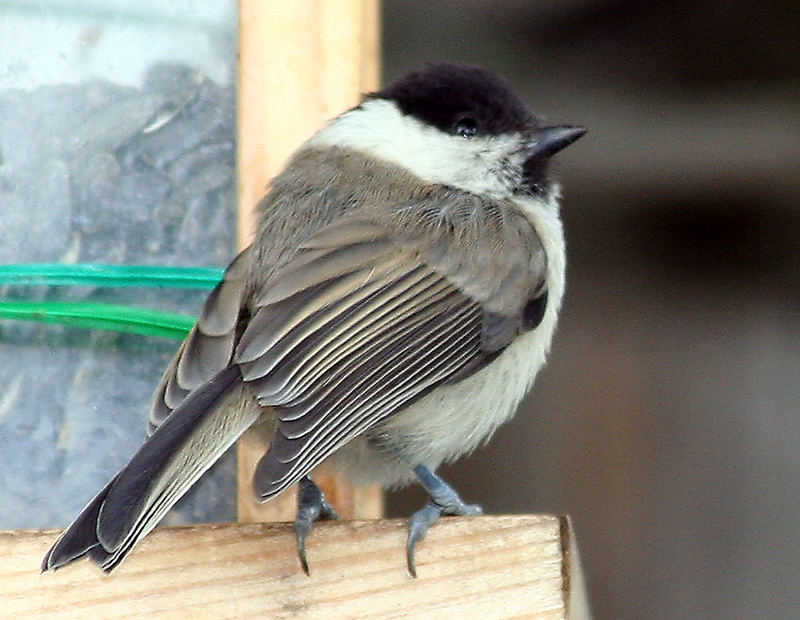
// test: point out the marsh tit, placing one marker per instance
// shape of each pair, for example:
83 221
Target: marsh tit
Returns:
398 300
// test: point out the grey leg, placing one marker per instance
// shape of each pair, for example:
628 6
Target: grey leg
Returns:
443 501
311 506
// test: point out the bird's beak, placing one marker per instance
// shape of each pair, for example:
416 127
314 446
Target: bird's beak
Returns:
547 141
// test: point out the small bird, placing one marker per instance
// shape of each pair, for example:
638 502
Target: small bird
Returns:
399 299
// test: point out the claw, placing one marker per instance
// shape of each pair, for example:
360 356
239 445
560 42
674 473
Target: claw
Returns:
301 549
311 506
417 529
444 501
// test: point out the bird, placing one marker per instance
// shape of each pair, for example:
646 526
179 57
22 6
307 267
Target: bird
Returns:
397 302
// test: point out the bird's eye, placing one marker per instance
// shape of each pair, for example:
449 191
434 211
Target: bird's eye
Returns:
466 127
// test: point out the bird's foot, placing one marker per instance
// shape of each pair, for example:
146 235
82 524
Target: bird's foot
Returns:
311 506
444 501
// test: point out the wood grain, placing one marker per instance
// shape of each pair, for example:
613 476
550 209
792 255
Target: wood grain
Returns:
300 64
479 567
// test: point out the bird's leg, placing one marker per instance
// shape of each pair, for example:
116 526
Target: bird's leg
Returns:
443 501
311 506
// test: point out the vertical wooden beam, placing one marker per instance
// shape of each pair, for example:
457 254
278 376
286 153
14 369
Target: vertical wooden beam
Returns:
300 64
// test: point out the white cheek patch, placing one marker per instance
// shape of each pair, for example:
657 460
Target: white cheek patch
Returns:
379 129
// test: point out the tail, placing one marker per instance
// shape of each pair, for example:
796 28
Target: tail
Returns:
170 461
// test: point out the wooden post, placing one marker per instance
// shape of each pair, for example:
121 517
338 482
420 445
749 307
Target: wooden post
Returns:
300 64
521 566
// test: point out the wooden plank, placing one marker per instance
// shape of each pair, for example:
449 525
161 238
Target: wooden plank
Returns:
300 64
520 566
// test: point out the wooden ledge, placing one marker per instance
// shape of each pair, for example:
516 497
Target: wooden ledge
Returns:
479 567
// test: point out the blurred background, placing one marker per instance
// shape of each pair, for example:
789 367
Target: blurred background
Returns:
667 421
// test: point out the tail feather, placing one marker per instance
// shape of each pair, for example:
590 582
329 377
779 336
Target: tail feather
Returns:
81 537
170 461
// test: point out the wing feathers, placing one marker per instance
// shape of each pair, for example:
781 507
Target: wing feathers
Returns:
362 322
273 322
329 356
203 356
401 358
341 332
324 266
345 233
209 346
412 366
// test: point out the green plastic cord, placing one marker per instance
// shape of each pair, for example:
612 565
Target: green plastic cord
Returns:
109 317
59 274
106 316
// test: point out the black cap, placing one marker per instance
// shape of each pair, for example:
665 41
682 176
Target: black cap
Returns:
456 98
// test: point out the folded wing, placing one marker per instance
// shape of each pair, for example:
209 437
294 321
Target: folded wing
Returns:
370 316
